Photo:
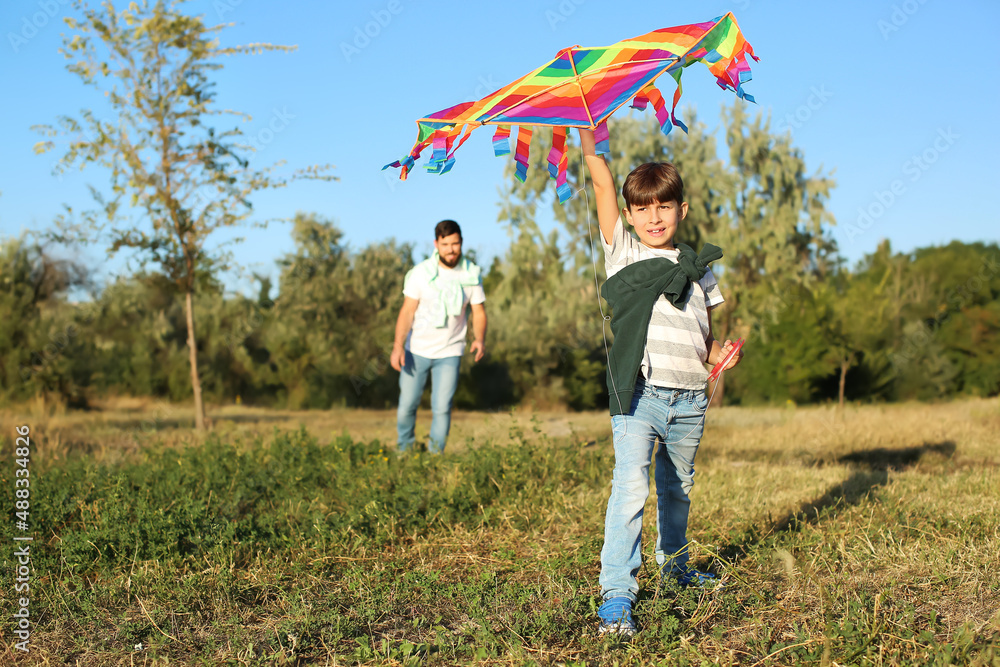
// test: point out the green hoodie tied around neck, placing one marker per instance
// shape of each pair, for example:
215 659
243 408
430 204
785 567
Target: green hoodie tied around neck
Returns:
631 294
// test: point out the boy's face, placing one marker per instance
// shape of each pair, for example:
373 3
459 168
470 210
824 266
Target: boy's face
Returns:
450 249
656 223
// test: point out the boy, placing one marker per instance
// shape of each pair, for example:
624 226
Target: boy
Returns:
661 297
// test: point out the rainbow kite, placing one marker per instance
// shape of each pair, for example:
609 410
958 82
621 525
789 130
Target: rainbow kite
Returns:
582 87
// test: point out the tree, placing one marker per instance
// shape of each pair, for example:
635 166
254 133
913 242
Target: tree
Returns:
166 160
855 323
773 232
327 296
949 339
38 341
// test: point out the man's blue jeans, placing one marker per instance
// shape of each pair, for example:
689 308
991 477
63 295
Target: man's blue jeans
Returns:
674 418
412 378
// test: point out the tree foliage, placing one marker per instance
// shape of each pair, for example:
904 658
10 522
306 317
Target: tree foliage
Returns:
919 325
324 337
175 177
38 341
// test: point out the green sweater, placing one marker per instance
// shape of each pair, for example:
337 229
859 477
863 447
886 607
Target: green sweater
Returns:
631 294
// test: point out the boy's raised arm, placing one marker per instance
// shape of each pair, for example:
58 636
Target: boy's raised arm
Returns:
604 185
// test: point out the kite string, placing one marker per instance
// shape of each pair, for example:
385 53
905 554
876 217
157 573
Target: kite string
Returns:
605 318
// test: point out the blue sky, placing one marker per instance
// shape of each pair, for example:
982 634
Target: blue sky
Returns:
896 98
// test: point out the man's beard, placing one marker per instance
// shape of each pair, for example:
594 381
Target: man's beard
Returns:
453 263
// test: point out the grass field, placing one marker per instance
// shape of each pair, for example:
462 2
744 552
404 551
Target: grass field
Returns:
870 537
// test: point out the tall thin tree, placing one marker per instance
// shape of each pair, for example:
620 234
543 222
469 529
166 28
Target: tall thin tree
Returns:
168 161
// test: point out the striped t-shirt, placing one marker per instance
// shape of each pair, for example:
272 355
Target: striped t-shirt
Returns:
675 351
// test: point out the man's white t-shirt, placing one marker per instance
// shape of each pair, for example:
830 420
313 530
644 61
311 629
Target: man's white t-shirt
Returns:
675 350
426 339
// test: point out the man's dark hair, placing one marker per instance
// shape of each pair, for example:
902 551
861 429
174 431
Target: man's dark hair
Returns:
447 228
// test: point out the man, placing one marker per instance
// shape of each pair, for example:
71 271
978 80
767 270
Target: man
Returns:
430 333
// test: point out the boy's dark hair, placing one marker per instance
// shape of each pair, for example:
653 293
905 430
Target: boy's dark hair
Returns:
447 228
653 181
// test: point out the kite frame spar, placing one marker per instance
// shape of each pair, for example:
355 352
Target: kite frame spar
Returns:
612 75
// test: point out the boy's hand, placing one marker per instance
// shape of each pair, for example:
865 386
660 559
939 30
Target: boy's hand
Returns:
726 349
477 349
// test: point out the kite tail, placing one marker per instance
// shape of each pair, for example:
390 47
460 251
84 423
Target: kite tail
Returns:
407 162
602 145
558 161
726 56
443 141
677 98
501 140
440 142
651 95
521 154
465 137
738 73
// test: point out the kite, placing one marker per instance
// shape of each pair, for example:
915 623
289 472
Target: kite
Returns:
581 87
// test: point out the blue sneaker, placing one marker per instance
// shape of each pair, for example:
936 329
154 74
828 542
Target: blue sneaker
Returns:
688 578
616 618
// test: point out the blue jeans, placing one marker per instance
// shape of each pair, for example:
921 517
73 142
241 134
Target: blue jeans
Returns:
674 418
413 377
